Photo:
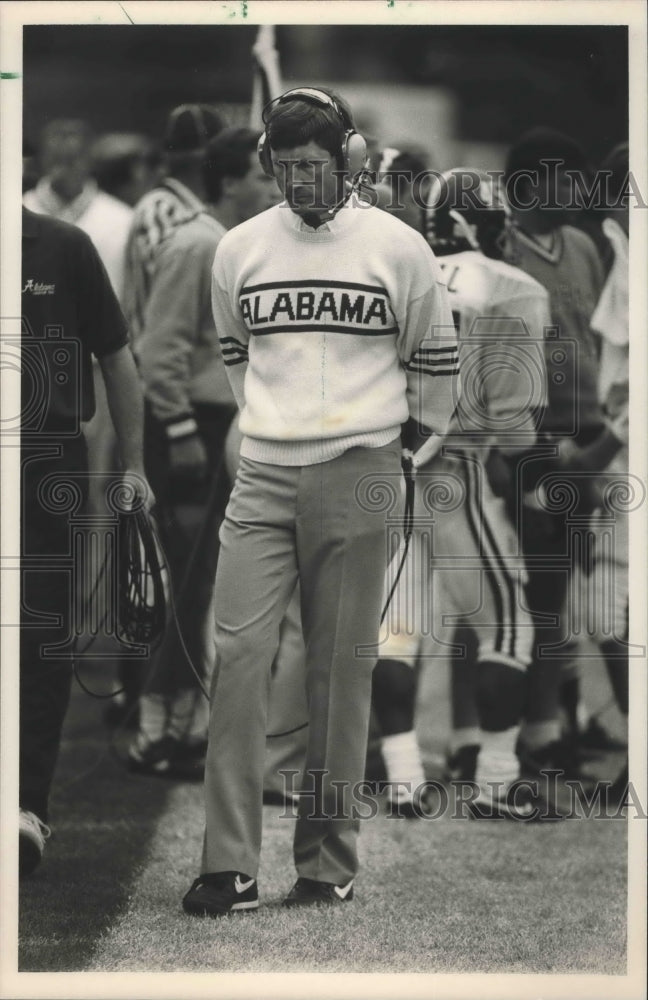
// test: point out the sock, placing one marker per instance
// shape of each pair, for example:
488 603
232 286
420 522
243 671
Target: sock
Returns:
188 716
570 698
403 763
463 681
470 736
152 718
497 760
537 734
393 695
582 717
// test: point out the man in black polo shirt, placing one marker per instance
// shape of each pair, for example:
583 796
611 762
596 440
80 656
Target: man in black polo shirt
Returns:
69 314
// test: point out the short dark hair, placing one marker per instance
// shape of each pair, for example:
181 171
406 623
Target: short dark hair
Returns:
115 154
227 155
396 163
539 144
189 128
298 121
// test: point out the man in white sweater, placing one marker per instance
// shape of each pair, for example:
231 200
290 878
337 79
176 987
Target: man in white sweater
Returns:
338 339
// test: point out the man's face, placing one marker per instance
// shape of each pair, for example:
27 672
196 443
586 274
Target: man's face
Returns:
553 194
256 191
554 188
66 160
307 177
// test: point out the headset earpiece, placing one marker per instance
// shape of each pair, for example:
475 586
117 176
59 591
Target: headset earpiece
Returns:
354 153
265 159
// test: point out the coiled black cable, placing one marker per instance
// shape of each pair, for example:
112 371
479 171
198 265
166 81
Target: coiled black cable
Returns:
141 572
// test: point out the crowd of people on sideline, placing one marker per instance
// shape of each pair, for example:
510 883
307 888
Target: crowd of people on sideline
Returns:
266 323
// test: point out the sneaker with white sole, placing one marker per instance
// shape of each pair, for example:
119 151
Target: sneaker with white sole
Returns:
168 757
153 757
216 894
308 892
406 806
32 834
518 802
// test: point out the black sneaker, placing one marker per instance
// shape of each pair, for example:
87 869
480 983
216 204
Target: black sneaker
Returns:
521 802
308 892
558 755
218 893
595 739
156 758
403 809
413 806
462 764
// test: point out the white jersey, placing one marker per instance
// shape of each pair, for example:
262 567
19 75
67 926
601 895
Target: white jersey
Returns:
501 315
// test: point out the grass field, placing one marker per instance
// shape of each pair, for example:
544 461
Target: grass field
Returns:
442 895
438 896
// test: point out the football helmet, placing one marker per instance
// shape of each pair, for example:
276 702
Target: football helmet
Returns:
466 210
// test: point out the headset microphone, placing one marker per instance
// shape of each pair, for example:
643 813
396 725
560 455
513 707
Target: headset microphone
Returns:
354 185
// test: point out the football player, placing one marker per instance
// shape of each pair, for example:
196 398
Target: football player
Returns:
463 564
402 182
541 168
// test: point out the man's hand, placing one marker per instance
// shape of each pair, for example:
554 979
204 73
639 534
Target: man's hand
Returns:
407 464
136 483
188 459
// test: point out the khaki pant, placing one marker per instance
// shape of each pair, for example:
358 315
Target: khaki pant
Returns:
316 524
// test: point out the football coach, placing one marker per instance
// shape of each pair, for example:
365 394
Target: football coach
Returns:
340 349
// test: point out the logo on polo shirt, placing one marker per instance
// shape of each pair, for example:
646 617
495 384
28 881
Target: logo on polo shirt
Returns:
38 288
312 306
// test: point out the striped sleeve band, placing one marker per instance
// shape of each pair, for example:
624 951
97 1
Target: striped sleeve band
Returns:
233 351
435 361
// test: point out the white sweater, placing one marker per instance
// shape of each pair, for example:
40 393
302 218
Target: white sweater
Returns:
332 337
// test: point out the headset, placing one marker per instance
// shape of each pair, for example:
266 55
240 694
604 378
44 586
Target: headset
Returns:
353 151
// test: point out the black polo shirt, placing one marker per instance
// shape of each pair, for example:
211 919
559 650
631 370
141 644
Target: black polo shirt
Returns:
69 313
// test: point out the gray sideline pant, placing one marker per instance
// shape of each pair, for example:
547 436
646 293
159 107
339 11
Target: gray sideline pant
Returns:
284 523
287 706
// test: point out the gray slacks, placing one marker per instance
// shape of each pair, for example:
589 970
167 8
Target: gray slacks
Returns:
316 524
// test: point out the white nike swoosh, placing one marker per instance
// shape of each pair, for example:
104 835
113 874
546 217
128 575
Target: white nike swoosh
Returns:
242 886
343 891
